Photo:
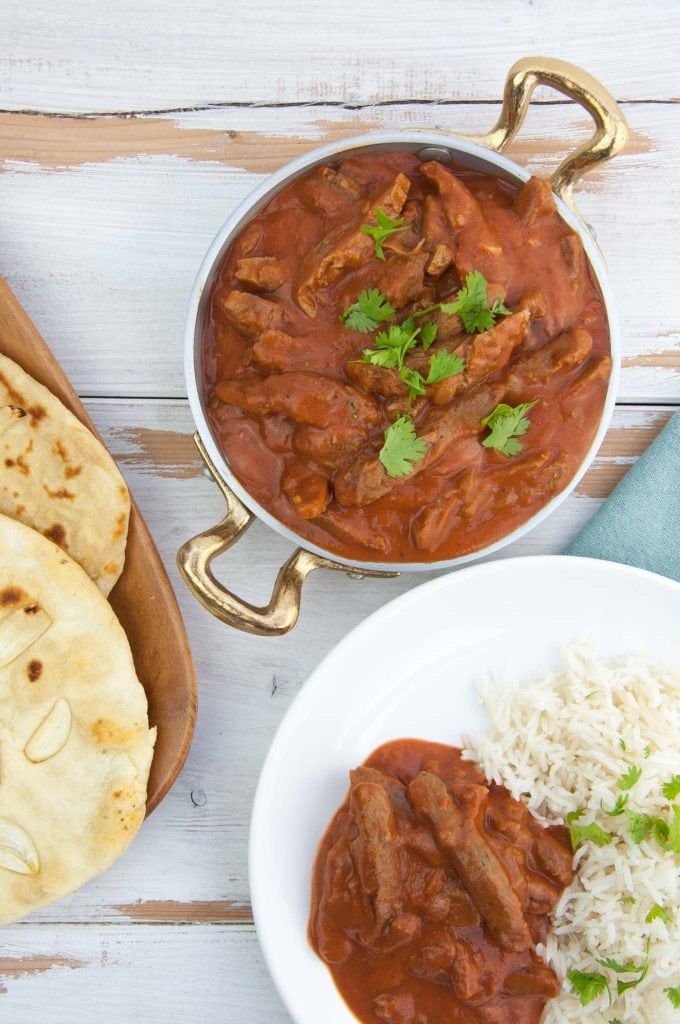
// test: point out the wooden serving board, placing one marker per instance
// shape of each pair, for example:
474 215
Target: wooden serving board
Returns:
142 598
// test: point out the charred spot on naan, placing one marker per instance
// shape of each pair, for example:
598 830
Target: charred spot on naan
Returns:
62 493
34 670
70 469
11 596
57 534
37 413
121 526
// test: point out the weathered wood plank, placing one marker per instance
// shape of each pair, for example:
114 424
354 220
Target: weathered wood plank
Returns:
105 222
148 56
189 861
135 974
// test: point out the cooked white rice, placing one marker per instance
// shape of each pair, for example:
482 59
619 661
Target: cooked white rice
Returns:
556 745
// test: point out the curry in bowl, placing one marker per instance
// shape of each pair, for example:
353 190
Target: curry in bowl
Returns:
404 361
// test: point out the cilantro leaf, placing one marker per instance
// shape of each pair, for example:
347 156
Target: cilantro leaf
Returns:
658 911
401 448
428 334
661 832
615 1020
393 345
619 968
506 424
618 807
385 227
370 309
647 751
672 840
444 364
671 789
588 833
574 816
674 996
386 357
472 305
629 778
628 899
622 744
623 986
588 986
415 381
640 826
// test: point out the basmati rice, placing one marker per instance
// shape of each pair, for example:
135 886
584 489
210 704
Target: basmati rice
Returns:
561 745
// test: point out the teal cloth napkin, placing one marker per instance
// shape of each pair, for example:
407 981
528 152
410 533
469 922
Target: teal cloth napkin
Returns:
639 523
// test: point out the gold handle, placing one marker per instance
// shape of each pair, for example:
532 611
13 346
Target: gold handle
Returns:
611 129
281 614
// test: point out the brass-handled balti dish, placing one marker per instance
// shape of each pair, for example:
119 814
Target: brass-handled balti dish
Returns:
402 351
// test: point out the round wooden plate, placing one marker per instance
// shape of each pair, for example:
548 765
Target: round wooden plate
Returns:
142 598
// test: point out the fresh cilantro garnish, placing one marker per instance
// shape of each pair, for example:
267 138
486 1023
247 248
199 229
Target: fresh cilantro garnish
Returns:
623 986
588 833
588 986
385 227
615 1020
647 750
392 345
380 357
622 744
628 899
618 807
574 816
415 381
619 968
442 365
672 842
629 778
370 309
428 334
506 424
674 996
640 825
401 448
472 305
658 911
671 789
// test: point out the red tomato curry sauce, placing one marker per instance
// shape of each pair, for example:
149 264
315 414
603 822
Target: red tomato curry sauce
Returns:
431 888
302 417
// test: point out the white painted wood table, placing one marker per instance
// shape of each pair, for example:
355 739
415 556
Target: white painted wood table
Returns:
128 131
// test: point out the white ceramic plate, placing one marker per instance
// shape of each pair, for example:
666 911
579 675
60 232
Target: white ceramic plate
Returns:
411 670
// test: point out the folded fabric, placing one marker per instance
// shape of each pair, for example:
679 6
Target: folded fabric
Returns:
639 523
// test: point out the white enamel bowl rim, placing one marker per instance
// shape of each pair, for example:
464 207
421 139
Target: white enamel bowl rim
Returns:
410 669
459 148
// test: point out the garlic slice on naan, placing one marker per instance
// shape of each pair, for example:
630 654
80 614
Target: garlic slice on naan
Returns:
75 742
58 478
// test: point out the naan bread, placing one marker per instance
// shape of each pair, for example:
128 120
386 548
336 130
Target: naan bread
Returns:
75 743
58 478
